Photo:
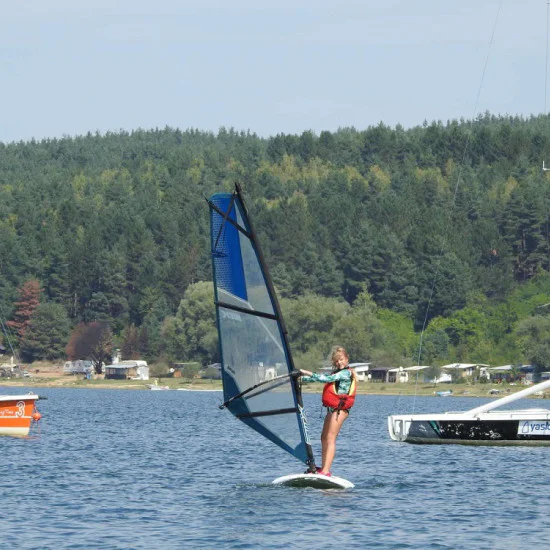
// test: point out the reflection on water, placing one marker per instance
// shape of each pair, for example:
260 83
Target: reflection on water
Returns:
137 469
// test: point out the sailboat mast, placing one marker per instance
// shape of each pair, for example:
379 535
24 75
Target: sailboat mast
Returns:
509 399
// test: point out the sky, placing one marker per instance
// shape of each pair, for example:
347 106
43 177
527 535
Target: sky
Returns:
69 67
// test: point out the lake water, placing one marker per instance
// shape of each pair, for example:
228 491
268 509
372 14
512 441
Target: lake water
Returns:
120 469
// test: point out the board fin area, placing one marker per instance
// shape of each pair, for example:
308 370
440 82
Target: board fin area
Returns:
315 481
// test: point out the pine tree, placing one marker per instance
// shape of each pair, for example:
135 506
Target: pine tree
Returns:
29 299
47 333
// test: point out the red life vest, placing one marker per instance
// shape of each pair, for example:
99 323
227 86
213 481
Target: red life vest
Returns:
339 401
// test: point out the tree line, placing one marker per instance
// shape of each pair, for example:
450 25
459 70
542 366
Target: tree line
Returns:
370 235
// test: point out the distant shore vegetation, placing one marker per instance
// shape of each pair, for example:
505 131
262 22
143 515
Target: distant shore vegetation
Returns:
370 236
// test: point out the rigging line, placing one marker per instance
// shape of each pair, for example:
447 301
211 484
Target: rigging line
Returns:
7 333
459 176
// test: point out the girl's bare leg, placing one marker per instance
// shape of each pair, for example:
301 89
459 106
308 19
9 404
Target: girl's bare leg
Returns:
331 429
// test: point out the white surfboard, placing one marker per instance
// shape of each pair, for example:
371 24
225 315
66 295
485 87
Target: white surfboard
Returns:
317 481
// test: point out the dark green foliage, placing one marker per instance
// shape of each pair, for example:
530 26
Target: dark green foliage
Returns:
116 229
533 333
47 334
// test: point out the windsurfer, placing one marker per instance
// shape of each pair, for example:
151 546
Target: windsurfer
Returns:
338 397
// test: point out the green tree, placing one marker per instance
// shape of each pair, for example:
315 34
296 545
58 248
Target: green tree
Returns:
446 285
359 331
47 333
310 319
399 334
130 345
525 226
534 337
434 346
195 335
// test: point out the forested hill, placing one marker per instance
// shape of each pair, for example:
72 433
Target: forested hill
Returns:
115 227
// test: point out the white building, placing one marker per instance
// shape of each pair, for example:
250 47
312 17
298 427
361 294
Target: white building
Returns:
462 370
127 370
361 370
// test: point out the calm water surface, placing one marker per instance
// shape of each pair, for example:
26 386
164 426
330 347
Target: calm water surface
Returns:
114 469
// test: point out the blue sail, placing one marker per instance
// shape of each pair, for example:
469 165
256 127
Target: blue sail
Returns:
259 388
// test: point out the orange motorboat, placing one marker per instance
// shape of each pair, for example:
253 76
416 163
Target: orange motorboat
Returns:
17 413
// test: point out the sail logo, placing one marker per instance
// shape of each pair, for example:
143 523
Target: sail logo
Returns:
532 427
230 315
304 424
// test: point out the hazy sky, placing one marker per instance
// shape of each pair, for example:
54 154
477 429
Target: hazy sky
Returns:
72 66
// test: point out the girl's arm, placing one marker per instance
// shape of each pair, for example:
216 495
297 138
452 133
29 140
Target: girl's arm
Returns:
317 377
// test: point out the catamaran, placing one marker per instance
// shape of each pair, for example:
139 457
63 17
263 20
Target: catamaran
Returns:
260 384
482 425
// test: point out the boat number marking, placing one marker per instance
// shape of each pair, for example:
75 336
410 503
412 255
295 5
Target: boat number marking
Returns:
17 412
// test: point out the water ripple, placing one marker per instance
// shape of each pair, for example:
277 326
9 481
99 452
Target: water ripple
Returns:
142 470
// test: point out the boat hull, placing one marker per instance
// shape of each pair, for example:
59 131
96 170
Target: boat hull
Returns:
523 428
16 414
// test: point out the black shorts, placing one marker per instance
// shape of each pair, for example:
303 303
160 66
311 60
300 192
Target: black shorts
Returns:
336 409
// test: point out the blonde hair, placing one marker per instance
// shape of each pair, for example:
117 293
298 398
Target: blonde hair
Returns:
340 351
337 352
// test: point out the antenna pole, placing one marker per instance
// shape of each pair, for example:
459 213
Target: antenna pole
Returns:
546 60
544 169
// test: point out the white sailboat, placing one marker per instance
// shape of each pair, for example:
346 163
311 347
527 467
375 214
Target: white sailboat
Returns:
487 424
482 425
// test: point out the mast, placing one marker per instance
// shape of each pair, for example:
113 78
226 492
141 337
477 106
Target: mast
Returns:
509 398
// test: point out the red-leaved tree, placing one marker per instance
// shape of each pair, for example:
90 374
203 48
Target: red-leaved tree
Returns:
29 298
91 341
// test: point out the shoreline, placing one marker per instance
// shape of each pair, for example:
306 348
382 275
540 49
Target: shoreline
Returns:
364 388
